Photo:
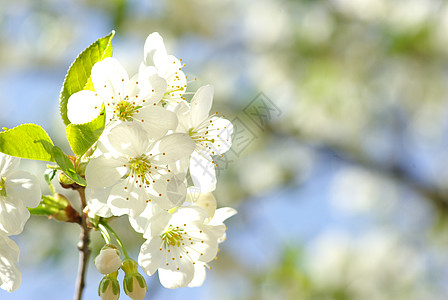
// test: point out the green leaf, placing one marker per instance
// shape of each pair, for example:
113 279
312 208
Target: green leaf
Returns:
82 136
27 141
78 75
67 166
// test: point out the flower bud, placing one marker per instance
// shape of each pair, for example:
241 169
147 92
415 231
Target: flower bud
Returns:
108 261
81 169
61 200
65 181
134 284
109 288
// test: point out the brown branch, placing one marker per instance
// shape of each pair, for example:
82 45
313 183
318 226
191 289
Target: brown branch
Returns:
83 246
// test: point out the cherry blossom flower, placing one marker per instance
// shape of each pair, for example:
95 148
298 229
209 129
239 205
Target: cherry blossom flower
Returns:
210 133
139 173
168 67
178 242
215 221
125 99
18 190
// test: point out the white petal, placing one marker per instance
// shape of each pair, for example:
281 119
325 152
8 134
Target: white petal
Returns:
150 256
97 201
171 148
183 114
140 222
13 215
83 107
193 194
199 275
176 190
24 186
201 104
133 86
157 225
10 276
202 171
219 232
153 43
222 214
172 278
129 139
220 130
126 198
162 63
105 171
207 201
175 79
156 121
152 87
152 221
188 214
7 164
205 245
110 79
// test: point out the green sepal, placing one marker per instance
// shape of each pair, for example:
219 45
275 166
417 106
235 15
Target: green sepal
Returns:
78 75
41 210
103 285
115 287
128 286
49 205
82 136
141 280
67 166
27 141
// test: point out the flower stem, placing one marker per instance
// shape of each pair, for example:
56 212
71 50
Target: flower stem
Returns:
52 188
83 246
125 253
104 233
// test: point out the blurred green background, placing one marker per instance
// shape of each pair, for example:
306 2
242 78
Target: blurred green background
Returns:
338 168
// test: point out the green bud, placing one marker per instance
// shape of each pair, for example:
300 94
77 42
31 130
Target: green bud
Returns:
68 214
62 200
81 169
109 288
134 284
129 266
64 180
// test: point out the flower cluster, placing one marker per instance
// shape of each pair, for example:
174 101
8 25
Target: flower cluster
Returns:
155 161
18 190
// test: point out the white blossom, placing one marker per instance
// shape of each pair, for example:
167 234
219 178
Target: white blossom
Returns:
178 243
139 173
215 221
125 100
210 133
168 67
18 190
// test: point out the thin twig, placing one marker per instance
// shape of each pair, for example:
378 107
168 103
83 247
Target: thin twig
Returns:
83 246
